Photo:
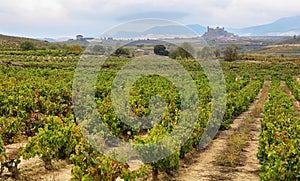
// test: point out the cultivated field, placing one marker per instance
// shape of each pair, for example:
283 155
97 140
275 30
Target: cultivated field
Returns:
40 137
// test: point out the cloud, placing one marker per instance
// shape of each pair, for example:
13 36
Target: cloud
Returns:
69 17
31 11
253 12
153 14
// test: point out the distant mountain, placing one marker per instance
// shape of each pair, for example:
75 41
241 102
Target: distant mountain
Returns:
124 34
174 30
63 39
199 29
55 40
288 26
48 40
282 27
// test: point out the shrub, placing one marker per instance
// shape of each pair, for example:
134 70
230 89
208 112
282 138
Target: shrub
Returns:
27 45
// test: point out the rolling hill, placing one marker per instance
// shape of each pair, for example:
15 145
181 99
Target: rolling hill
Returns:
283 27
13 42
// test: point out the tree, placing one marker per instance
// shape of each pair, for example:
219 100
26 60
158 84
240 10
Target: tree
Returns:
179 52
122 51
76 48
188 47
231 53
140 45
217 53
99 49
53 46
161 50
206 52
109 49
27 45
65 46
174 53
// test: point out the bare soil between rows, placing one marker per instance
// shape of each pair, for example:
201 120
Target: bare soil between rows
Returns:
201 165
197 165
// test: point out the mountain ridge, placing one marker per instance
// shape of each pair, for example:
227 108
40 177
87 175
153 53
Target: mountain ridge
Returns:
281 27
287 26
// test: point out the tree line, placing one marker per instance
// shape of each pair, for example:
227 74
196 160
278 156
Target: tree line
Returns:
186 50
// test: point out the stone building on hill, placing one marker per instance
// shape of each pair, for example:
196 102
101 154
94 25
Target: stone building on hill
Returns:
79 37
218 34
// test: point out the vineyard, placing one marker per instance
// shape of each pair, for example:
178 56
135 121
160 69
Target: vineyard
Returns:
279 139
36 110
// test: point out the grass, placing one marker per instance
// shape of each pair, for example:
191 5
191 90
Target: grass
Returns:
231 157
259 108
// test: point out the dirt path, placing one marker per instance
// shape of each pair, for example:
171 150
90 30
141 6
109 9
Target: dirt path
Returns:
250 169
297 78
34 170
196 166
203 165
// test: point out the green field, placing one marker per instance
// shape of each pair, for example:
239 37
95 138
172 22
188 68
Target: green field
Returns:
36 107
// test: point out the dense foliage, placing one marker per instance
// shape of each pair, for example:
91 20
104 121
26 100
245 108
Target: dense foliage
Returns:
294 86
161 50
36 103
279 139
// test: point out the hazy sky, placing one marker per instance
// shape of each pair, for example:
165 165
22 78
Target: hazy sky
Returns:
60 18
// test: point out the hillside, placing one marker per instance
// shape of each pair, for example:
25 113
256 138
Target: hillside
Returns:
288 26
294 40
13 42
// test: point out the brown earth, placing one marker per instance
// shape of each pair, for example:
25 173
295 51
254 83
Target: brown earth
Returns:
289 93
34 169
202 166
196 166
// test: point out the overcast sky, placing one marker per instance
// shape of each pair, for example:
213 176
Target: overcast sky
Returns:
66 18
